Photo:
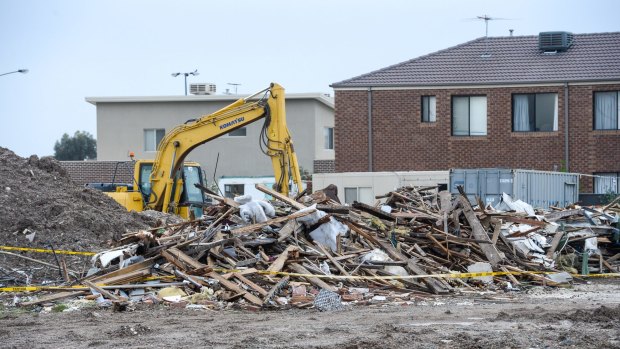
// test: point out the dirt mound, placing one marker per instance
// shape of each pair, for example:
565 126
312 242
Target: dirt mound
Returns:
601 314
37 195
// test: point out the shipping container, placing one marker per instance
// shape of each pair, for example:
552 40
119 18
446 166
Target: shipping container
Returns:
537 188
364 186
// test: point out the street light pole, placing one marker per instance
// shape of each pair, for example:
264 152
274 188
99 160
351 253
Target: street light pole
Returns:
235 85
23 71
194 73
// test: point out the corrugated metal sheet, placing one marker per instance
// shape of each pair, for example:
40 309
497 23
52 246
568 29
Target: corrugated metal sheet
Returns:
537 188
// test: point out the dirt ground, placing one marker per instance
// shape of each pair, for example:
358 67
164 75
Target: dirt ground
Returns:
580 317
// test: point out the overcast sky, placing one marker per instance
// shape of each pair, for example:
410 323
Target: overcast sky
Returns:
78 49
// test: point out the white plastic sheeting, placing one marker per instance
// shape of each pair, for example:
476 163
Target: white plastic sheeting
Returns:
508 204
108 256
327 233
256 211
377 255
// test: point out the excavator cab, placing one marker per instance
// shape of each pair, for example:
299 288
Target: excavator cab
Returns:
189 200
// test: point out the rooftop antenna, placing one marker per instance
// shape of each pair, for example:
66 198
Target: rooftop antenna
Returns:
486 19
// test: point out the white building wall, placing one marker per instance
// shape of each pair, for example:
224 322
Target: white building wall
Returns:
371 184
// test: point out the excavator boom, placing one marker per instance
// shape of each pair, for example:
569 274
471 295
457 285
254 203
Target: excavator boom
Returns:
276 142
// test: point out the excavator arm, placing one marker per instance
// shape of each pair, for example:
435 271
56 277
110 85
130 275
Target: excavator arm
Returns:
275 142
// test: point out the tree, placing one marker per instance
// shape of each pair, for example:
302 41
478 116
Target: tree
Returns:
79 147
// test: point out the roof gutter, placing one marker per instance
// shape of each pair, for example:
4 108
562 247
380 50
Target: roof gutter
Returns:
478 85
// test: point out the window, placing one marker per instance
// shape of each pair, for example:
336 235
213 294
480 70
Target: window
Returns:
606 110
328 136
191 176
606 182
469 116
145 180
240 132
361 194
152 137
429 108
232 190
535 112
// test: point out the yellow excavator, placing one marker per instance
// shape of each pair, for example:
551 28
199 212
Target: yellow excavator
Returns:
167 184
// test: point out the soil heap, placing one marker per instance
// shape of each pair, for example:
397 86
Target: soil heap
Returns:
37 196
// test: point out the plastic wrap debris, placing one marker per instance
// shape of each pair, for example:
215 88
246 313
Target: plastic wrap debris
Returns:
386 208
508 204
130 261
325 268
254 211
377 255
105 258
591 245
327 301
560 278
481 267
327 233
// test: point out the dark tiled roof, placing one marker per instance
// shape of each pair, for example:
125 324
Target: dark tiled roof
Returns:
513 59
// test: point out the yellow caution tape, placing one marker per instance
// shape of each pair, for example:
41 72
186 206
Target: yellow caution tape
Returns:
42 250
37 288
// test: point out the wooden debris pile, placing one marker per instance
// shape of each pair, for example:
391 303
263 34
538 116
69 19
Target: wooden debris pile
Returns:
315 248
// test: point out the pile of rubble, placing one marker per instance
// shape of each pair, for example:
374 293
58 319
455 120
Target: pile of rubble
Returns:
40 207
315 252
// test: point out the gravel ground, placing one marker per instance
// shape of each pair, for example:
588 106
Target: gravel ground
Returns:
585 316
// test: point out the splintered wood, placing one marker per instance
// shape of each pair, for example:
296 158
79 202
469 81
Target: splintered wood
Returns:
414 244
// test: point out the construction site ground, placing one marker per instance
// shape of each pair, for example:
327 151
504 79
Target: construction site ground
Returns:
587 315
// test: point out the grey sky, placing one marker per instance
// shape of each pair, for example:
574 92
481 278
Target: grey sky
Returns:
82 48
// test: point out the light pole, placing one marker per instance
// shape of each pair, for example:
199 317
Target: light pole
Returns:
194 73
23 71
235 85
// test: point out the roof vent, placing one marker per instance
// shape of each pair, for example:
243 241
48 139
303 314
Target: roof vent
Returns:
555 41
202 89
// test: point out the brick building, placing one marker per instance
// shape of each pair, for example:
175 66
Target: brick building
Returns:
547 102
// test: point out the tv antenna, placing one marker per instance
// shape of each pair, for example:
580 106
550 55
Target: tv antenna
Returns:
486 19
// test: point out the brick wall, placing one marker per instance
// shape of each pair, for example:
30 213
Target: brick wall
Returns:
324 166
83 172
402 142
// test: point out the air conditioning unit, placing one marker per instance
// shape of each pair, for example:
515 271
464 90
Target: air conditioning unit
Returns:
555 41
202 89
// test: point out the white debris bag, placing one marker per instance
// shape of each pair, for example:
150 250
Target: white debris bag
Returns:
256 211
377 255
106 257
327 233
481 267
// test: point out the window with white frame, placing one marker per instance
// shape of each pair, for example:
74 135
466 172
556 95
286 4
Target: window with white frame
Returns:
360 194
328 138
606 110
240 132
152 137
469 115
606 182
533 112
429 109
233 190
